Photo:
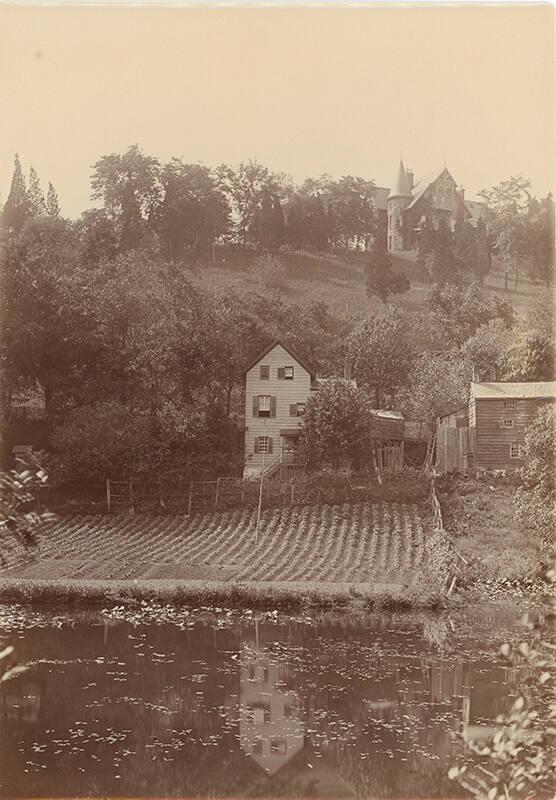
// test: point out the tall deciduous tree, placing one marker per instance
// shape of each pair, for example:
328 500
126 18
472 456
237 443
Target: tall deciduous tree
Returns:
461 312
337 425
535 500
380 354
532 358
194 211
17 207
129 185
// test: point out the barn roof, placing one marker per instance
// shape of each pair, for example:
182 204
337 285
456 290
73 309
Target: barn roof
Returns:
514 391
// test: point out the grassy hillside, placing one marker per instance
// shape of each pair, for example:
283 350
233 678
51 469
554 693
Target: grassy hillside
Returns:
480 518
337 279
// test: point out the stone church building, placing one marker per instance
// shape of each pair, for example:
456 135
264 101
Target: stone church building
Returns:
407 204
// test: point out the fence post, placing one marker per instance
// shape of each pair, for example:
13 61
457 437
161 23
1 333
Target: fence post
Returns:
216 493
190 498
131 501
292 493
108 494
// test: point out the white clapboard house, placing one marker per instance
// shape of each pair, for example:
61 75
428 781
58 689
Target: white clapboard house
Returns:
277 386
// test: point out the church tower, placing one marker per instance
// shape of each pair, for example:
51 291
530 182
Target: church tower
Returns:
399 198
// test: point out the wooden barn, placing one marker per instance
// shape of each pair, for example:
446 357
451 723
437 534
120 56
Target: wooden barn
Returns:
499 414
489 432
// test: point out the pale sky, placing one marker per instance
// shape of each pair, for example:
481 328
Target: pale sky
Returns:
304 91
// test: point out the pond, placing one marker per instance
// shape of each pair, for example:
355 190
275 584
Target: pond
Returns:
212 703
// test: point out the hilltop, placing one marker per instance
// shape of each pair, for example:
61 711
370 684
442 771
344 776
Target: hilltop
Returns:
338 279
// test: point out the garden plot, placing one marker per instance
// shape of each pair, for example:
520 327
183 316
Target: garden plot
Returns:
350 543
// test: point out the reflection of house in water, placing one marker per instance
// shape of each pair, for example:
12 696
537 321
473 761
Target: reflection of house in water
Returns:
270 728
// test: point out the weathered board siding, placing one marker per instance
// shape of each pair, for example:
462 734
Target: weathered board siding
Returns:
454 448
286 393
493 440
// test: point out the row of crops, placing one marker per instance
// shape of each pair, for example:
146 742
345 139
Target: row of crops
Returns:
355 542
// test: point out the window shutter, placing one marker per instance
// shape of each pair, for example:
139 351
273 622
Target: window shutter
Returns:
270 444
281 373
272 406
293 410
255 405
256 444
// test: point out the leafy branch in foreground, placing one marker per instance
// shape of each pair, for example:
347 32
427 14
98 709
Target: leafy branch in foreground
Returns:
520 757
19 516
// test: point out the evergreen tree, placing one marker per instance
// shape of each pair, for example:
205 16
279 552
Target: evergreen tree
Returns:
482 261
465 244
268 223
296 228
17 207
382 281
36 196
52 205
444 264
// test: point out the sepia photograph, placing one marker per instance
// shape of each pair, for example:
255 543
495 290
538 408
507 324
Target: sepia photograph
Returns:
278 401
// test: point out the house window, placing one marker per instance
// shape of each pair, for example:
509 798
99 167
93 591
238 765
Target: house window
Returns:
515 450
264 405
264 444
264 372
288 373
508 423
509 404
300 409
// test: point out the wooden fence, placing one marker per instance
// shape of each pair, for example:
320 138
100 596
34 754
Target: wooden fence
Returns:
455 448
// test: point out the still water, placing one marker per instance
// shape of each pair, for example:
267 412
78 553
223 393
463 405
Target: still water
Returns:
209 703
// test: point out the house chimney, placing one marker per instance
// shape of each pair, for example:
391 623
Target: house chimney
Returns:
410 178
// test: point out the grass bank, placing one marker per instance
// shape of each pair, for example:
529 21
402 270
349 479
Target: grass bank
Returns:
256 595
500 553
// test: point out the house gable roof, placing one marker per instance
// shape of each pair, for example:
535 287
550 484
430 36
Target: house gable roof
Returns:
421 186
540 390
279 343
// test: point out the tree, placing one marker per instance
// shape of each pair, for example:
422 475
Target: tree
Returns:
98 238
244 187
445 268
129 185
535 500
508 206
531 358
17 207
540 240
482 263
36 197
460 312
381 280
337 425
268 222
380 354
350 201
465 242
436 383
487 349
52 205
194 211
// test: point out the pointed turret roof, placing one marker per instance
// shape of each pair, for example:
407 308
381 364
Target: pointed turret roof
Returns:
401 186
